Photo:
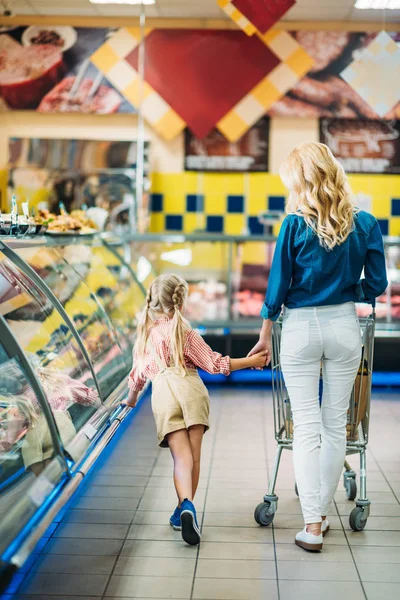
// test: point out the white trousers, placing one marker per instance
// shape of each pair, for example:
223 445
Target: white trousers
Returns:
328 335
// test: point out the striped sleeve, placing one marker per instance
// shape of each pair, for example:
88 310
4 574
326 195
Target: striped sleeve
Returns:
201 355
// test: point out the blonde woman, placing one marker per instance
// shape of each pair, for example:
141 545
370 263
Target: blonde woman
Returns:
168 352
323 247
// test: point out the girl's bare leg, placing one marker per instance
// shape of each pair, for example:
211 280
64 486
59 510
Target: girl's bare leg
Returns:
179 445
196 433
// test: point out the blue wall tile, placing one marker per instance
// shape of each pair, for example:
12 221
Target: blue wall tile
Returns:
235 204
215 224
395 207
276 203
254 226
195 203
157 202
384 224
173 223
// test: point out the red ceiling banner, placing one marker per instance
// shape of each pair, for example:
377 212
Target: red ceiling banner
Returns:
263 13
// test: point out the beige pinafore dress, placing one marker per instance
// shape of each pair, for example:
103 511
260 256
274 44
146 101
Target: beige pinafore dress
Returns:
179 400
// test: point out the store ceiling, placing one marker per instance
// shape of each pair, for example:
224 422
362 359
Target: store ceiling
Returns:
304 10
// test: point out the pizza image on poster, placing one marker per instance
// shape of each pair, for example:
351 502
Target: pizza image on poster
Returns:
363 146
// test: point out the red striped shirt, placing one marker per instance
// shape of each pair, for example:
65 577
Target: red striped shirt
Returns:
197 354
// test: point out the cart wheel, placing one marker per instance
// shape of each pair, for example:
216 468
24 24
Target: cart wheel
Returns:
296 489
357 520
351 488
262 514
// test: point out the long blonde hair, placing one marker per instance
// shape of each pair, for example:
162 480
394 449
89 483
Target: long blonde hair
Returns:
166 296
320 192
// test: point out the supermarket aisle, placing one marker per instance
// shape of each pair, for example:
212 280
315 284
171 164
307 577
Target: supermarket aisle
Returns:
115 542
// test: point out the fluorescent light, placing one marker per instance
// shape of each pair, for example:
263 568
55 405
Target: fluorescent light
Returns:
182 257
123 1
378 4
143 268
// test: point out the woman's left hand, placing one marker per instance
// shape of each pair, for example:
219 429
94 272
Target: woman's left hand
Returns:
264 344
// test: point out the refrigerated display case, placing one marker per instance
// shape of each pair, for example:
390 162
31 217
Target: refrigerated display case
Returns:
68 316
228 276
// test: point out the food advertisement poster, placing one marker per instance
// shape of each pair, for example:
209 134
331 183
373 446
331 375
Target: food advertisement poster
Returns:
49 70
363 146
323 92
215 153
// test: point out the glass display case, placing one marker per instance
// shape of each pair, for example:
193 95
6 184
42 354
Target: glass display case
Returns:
228 276
68 314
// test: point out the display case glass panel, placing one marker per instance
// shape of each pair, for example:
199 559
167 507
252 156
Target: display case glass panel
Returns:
66 270
26 446
51 348
205 265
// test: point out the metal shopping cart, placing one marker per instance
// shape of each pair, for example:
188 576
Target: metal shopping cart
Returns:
357 427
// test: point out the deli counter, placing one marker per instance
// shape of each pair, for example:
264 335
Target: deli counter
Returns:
68 315
228 276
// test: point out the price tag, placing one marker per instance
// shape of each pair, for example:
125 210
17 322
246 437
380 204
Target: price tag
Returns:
89 431
40 490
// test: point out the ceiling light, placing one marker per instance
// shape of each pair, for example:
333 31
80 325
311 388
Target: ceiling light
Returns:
377 4
123 1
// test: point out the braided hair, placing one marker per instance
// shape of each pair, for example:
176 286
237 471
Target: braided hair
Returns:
165 297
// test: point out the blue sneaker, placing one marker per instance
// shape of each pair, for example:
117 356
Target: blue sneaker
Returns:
190 528
175 520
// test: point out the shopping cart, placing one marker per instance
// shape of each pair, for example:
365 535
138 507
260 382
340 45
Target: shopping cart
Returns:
357 427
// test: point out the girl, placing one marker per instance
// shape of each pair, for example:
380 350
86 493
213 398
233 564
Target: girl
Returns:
323 246
167 351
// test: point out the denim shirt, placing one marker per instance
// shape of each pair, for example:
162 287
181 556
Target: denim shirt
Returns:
304 273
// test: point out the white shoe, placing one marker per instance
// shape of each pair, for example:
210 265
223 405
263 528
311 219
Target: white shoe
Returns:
309 541
325 527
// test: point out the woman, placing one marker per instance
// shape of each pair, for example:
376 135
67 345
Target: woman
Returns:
323 246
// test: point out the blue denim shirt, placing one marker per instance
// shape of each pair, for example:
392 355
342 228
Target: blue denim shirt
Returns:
304 273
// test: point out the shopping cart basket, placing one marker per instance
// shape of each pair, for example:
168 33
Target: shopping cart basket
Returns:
357 427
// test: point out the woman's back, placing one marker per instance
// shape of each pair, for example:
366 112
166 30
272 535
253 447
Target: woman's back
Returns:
305 273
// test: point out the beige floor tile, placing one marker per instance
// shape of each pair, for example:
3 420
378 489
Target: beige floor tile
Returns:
383 573
379 523
374 538
235 589
149 587
236 569
377 510
237 551
150 517
320 590
153 533
113 531
113 491
326 571
91 565
233 535
64 585
159 549
286 536
330 553
375 497
149 566
106 503
376 554
124 517
87 547
221 519
382 591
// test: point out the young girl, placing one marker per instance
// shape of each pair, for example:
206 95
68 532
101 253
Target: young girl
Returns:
168 352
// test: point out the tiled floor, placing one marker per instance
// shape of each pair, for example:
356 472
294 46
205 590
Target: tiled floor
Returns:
114 542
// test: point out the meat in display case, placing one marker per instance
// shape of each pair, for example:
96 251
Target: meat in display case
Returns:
68 316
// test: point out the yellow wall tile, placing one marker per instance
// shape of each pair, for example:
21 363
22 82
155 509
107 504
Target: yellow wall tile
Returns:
194 222
234 224
253 253
215 204
174 204
157 223
394 226
235 183
215 183
381 207
275 186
